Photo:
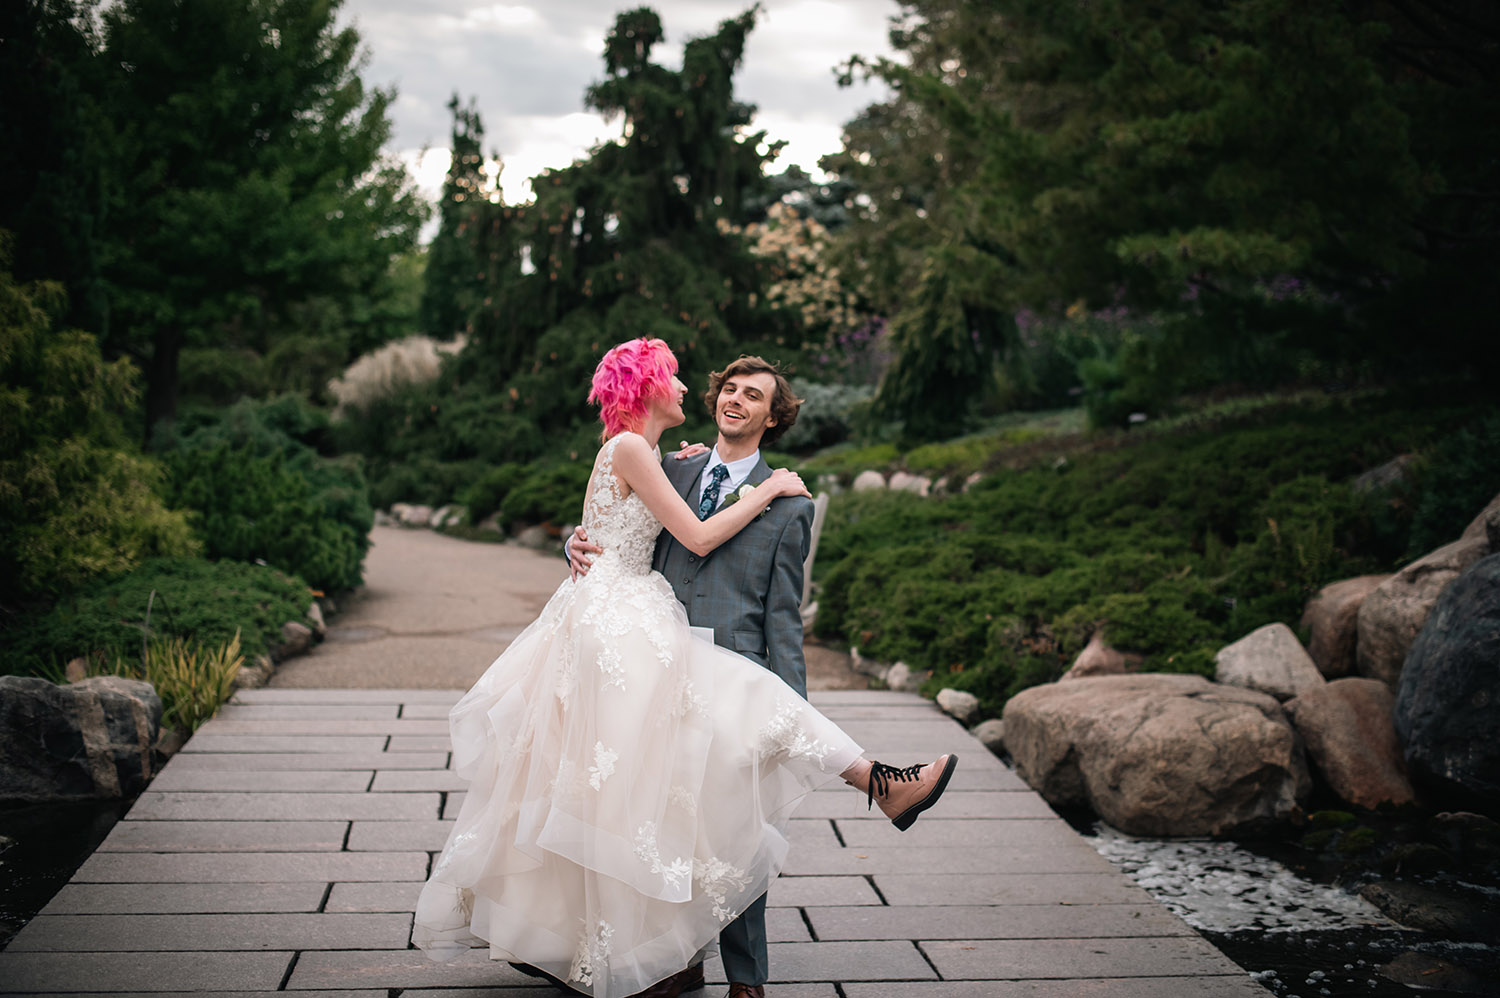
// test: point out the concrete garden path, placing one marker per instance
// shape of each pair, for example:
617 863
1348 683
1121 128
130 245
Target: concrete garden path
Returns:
283 848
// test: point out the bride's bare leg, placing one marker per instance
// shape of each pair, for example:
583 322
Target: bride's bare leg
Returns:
903 794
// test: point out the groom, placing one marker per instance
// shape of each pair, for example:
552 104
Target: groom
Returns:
748 590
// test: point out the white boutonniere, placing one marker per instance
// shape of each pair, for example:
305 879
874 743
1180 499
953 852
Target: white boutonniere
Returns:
740 493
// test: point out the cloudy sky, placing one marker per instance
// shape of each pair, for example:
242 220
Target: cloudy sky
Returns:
527 63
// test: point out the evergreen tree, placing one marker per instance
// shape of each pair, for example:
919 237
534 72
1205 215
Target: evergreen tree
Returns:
247 190
450 292
635 240
1186 159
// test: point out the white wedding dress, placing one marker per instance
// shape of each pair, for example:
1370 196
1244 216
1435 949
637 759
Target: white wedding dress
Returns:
630 781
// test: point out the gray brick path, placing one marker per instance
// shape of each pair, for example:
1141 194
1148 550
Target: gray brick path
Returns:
283 849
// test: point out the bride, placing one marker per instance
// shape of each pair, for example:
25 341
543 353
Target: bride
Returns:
631 781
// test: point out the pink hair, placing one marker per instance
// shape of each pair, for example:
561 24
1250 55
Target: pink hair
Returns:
627 378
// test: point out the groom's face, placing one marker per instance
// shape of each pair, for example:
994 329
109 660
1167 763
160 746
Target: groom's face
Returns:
743 408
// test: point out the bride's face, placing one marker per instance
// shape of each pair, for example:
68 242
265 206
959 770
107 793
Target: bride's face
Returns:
668 407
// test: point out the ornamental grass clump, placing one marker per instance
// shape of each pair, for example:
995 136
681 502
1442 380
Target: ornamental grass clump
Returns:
192 679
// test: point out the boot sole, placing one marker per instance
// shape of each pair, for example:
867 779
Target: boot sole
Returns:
907 818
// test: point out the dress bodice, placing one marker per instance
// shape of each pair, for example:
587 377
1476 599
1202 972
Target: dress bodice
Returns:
623 527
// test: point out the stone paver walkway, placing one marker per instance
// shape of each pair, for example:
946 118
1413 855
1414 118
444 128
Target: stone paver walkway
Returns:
283 848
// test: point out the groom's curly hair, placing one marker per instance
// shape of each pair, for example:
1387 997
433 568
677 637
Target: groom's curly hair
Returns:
784 402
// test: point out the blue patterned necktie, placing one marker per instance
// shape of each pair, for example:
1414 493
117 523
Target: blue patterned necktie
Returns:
711 494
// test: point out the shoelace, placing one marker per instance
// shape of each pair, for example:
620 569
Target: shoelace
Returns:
881 776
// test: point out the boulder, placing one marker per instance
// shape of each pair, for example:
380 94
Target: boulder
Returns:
868 666
1391 617
1448 704
992 734
868 480
447 516
1394 472
535 538
972 480
296 638
906 482
904 678
1331 620
253 674
1269 659
412 514
958 705
1159 754
1099 659
1350 737
384 519
89 740
1487 525
491 523
315 618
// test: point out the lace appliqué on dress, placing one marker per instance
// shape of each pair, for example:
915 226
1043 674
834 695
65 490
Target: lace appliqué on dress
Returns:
681 797
784 734
592 955
673 874
717 878
603 767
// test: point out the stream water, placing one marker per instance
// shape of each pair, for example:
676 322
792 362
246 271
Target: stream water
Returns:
1298 937
41 847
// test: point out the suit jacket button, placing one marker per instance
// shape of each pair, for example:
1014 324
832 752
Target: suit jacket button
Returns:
692 557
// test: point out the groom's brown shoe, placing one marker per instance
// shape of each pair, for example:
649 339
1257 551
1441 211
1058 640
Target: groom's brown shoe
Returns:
903 794
690 979
747 990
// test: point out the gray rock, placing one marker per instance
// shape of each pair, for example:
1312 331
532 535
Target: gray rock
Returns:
315 615
992 734
868 480
1393 472
1392 616
447 516
1099 659
905 482
1350 737
1431 909
90 740
1448 703
1269 659
973 480
1331 620
1159 754
902 678
491 523
255 673
829 483
868 666
1487 525
536 538
958 705
296 638
413 515
384 519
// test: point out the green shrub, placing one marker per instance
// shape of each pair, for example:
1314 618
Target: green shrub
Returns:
202 601
827 416
550 493
77 500
484 496
1459 477
261 492
1169 545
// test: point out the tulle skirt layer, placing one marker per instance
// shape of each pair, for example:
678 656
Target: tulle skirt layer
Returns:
630 784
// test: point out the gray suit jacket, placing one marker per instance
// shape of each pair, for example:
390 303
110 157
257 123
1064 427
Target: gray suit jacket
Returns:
749 589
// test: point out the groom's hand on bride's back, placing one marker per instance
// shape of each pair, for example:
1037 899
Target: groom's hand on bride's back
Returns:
580 551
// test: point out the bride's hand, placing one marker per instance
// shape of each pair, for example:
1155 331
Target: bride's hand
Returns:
690 450
785 483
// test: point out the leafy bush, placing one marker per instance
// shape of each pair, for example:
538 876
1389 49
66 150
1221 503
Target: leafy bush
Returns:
827 416
1170 547
261 493
484 496
1459 477
202 601
548 494
76 499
